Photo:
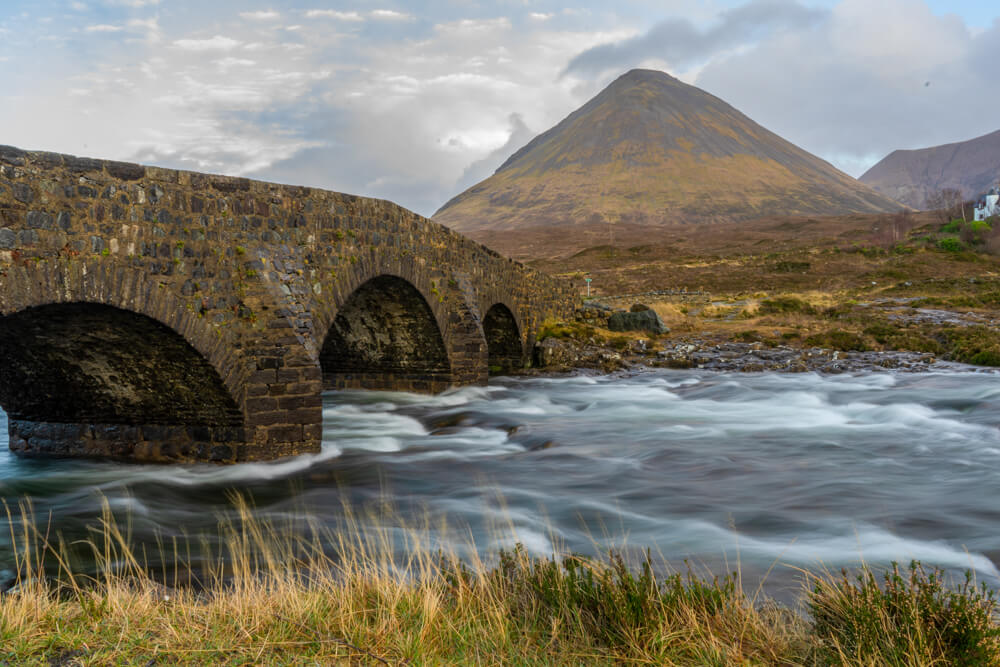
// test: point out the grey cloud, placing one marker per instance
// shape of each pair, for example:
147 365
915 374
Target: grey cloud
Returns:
357 165
852 112
681 44
345 169
520 134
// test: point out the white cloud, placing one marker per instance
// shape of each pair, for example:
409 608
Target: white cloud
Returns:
334 14
217 43
389 15
132 3
78 6
263 15
103 27
538 16
229 62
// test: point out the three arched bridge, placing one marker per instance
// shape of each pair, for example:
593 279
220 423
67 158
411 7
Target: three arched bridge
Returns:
161 315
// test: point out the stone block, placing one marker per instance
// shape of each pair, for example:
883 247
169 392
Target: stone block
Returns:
285 433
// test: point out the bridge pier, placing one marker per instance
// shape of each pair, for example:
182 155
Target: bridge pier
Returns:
149 314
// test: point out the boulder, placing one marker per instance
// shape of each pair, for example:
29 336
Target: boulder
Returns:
646 320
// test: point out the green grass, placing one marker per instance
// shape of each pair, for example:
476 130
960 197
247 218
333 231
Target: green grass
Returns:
785 304
838 339
910 618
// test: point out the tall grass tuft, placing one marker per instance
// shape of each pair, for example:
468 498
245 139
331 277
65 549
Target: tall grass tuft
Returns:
912 618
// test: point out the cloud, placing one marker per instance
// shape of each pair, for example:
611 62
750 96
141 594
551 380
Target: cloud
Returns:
135 4
263 15
334 14
217 43
679 43
389 15
423 117
519 135
103 27
851 87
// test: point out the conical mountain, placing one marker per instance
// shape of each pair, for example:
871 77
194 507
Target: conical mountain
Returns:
651 150
914 176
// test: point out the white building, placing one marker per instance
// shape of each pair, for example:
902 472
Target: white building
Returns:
989 205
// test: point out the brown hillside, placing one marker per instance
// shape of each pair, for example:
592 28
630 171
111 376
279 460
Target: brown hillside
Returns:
911 176
650 150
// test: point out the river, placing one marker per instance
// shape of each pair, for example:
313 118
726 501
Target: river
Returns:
766 472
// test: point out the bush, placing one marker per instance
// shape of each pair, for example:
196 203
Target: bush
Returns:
978 225
953 227
950 244
912 618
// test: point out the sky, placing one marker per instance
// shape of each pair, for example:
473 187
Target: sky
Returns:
416 101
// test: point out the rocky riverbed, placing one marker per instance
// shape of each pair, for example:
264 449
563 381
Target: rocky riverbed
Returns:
564 355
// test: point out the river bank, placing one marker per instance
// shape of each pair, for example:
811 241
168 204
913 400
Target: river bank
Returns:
784 333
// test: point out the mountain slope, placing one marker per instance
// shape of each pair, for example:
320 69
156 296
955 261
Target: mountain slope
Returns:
650 150
971 166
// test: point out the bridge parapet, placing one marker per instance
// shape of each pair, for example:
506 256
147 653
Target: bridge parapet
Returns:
156 314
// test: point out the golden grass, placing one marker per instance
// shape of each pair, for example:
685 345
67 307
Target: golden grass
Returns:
271 597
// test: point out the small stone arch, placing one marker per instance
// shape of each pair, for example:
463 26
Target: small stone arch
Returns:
385 335
504 343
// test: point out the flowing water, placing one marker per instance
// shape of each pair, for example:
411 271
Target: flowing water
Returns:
757 471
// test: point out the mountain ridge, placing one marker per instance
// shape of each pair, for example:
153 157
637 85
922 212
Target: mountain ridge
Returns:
652 150
913 175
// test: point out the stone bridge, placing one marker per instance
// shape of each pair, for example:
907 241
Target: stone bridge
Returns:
161 315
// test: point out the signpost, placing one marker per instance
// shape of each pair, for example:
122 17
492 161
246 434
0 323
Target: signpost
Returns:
588 286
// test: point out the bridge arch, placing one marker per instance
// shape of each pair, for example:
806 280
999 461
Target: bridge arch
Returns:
96 361
385 334
504 343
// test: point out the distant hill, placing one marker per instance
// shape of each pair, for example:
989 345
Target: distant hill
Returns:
650 150
971 166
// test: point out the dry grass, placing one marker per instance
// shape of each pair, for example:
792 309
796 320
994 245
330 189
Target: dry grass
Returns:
272 599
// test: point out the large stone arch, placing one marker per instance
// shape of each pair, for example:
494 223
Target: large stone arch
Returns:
110 284
97 360
415 300
504 341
